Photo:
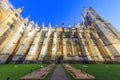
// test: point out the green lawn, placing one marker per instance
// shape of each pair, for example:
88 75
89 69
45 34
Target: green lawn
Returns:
15 71
101 71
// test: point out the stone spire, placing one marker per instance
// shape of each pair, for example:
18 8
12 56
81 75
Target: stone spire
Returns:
19 10
36 25
62 25
43 25
49 26
69 26
26 19
56 26
79 25
31 23
75 25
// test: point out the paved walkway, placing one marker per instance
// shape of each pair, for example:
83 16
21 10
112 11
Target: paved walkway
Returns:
59 73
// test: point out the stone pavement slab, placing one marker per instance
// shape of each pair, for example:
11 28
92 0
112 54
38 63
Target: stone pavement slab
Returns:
59 73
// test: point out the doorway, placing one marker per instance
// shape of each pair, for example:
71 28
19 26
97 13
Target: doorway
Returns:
59 60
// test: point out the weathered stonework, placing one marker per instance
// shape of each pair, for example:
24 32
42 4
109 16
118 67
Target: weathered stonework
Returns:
21 40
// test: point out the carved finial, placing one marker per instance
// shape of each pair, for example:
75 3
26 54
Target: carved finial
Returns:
75 25
36 25
19 10
49 25
26 19
56 25
22 7
31 22
43 25
69 26
78 25
62 25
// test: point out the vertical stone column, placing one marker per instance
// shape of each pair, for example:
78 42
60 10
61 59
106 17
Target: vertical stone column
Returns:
73 48
17 33
7 25
79 49
64 50
105 53
34 49
91 46
71 40
25 44
97 52
86 54
45 45
10 43
54 49
96 38
94 51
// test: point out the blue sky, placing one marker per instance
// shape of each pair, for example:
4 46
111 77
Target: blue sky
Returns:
68 11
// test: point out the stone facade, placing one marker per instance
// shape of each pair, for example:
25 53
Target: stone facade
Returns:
21 40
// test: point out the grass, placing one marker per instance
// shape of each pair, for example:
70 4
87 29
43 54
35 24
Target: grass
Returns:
101 71
16 71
